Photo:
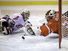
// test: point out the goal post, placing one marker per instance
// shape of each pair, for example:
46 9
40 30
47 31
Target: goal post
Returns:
60 15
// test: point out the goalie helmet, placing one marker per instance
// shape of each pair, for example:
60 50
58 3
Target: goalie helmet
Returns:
50 14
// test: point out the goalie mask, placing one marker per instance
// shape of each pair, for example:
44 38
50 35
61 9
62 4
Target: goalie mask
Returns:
50 14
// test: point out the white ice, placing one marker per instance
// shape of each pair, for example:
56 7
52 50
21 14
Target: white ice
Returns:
14 42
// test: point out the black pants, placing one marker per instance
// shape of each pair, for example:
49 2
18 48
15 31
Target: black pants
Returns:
5 25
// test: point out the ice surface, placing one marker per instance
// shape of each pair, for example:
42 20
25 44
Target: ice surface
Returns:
31 43
14 42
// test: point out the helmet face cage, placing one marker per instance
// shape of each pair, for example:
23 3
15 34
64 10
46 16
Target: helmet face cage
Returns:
49 17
